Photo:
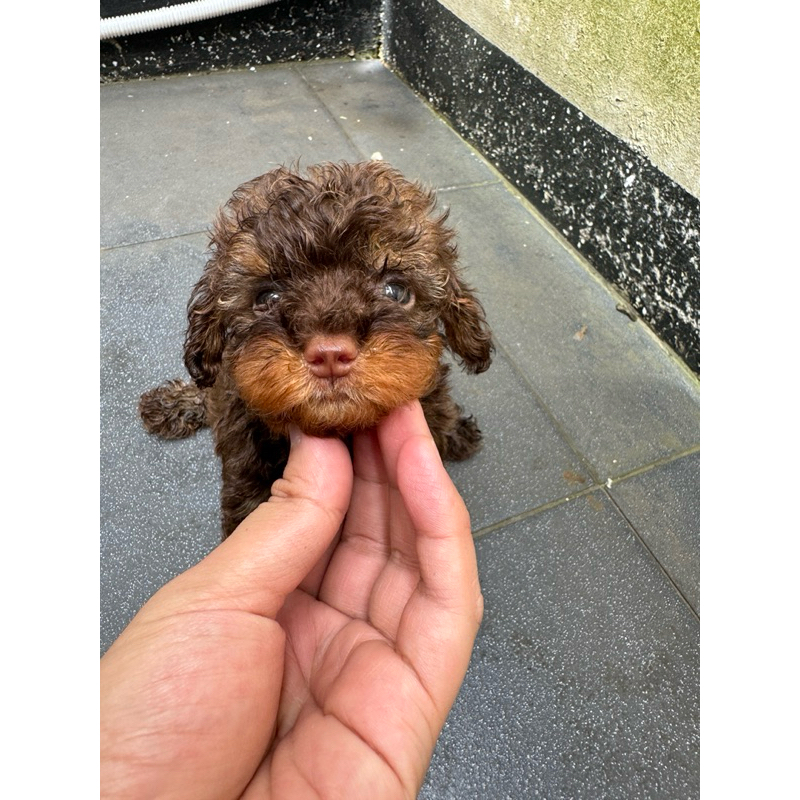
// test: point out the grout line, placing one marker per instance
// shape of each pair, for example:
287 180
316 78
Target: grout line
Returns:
604 488
204 231
460 186
532 512
644 544
653 464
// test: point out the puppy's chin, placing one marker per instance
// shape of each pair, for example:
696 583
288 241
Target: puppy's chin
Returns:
391 369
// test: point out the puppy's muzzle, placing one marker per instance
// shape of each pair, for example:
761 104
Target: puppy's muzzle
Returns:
332 384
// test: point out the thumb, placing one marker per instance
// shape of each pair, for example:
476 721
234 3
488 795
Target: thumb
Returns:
276 546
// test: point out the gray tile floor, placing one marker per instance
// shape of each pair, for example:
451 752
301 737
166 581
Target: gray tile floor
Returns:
584 681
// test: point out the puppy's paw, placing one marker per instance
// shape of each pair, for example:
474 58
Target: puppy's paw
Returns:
173 411
462 441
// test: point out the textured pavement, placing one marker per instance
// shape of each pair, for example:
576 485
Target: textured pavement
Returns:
584 681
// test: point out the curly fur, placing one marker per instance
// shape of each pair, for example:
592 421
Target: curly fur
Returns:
328 300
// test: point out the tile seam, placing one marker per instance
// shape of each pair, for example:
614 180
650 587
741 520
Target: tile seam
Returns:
123 245
649 551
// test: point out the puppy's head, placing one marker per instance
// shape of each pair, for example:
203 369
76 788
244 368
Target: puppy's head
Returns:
329 297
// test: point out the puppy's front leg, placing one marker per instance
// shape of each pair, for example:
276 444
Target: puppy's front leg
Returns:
456 435
247 484
253 458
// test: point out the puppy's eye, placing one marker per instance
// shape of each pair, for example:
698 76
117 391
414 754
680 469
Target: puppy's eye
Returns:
268 297
399 293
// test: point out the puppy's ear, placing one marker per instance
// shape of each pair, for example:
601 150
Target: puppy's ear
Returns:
205 336
465 328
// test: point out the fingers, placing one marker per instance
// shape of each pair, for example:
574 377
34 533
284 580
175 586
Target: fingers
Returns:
406 522
438 627
363 549
374 569
438 516
445 549
276 546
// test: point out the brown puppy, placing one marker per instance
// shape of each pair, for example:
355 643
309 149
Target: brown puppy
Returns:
326 303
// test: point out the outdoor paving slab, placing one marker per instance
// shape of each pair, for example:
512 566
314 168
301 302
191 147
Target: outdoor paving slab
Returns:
382 115
173 149
620 398
159 500
523 462
584 677
663 504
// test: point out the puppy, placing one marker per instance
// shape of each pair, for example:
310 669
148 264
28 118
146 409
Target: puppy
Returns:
328 300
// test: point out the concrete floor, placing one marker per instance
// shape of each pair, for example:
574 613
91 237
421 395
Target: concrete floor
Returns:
584 681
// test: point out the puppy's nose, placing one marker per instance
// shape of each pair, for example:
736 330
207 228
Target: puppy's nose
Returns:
331 356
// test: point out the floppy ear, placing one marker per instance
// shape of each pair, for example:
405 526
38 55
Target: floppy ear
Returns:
205 336
465 328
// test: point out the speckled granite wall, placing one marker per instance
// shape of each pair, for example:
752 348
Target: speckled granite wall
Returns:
633 66
283 31
635 225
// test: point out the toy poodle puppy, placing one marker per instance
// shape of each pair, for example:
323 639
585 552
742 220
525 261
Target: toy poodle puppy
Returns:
328 300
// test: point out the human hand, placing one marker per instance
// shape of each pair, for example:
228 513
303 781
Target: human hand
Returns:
303 657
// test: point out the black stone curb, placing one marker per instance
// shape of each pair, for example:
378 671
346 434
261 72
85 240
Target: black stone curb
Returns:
300 30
